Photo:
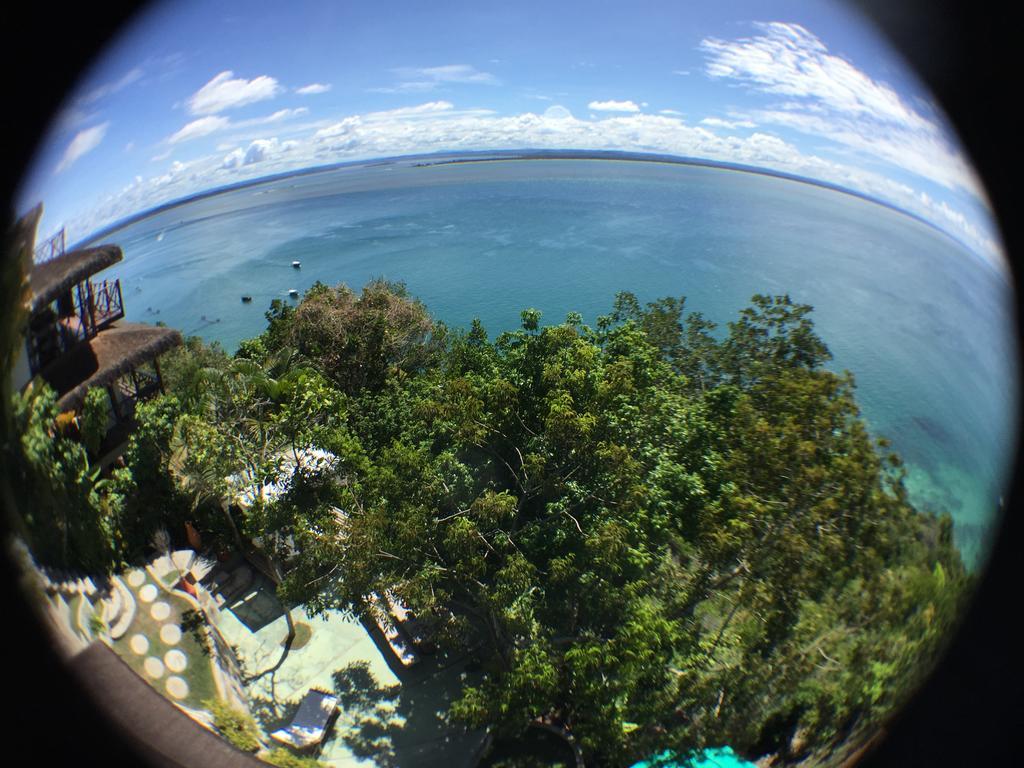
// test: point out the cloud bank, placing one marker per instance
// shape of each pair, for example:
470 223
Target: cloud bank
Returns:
827 97
440 126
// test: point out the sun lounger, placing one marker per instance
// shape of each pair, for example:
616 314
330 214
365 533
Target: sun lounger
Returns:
312 719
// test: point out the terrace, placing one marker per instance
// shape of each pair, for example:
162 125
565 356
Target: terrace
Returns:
390 714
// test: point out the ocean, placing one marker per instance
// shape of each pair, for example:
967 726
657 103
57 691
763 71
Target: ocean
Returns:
926 327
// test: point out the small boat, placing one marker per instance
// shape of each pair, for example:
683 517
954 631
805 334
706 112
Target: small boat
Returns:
247 299
293 293
297 264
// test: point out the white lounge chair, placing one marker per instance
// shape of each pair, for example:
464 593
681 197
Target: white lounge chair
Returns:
312 719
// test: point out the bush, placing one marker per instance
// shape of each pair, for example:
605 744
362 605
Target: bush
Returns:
284 758
234 725
94 418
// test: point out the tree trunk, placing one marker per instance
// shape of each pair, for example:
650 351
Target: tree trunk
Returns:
268 567
564 734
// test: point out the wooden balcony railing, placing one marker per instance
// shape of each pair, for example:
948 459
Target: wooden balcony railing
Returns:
102 302
95 306
133 388
50 248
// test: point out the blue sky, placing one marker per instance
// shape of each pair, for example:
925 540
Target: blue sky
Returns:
196 95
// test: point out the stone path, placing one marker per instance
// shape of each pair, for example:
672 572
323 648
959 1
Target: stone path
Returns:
170 634
139 644
177 687
174 661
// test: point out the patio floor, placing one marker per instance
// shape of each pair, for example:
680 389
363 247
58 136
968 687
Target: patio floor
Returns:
390 716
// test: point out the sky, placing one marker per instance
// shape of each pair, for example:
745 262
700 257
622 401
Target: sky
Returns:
196 95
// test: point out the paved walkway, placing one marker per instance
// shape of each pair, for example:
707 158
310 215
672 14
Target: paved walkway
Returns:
384 721
159 665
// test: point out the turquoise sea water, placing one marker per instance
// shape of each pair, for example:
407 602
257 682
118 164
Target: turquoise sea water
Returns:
924 325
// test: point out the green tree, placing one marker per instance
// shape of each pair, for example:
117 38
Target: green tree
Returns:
641 523
358 340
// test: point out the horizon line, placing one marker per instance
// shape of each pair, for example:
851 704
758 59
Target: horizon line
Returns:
484 155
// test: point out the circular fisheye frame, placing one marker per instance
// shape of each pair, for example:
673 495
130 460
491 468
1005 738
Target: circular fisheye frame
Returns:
501 386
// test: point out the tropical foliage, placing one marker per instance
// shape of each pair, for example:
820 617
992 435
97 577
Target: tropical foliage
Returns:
652 532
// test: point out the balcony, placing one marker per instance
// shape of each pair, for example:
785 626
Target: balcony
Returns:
80 314
102 302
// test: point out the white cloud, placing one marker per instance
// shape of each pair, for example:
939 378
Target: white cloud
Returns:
84 142
421 79
729 125
108 89
557 112
204 126
449 73
682 72
82 109
829 98
420 110
226 92
613 106
439 126
233 159
341 128
313 88
675 112
281 114
418 86
260 150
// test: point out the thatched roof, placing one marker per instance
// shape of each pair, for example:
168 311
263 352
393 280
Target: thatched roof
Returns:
106 357
164 734
56 276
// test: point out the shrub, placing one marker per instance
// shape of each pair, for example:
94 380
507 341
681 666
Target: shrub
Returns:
234 725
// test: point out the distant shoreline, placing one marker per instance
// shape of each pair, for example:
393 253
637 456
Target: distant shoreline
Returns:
484 156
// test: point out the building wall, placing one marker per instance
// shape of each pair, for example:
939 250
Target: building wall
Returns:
21 375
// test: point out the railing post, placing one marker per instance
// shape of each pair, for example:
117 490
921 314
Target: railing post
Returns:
92 308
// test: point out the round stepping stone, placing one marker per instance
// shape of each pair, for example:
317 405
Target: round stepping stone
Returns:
154 667
136 579
160 611
139 644
177 687
147 594
175 660
170 634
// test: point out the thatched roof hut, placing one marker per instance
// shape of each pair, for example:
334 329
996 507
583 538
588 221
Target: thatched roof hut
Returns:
106 357
59 275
